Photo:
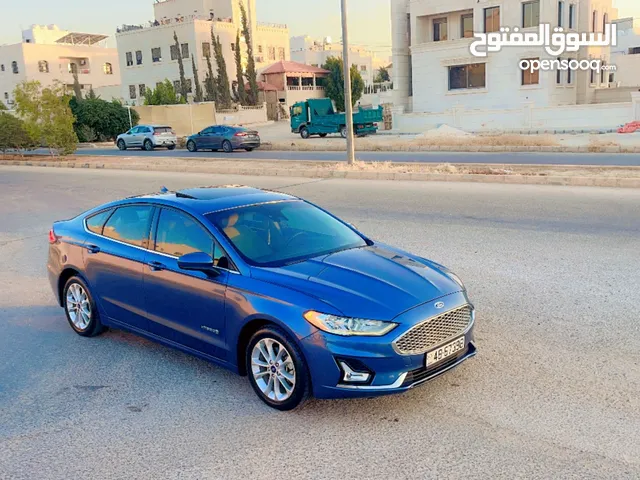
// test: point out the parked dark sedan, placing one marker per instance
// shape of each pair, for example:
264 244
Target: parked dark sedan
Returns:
264 284
224 137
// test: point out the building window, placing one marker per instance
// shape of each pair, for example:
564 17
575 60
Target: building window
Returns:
2 68
156 54
281 54
439 29
612 78
233 47
561 14
206 49
363 68
592 80
189 85
107 69
572 15
259 48
138 57
6 95
603 74
132 92
531 14
14 67
174 52
176 86
185 50
559 74
43 66
491 19
466 25
467 76
594 21
531 78
129 56
605 21
569 76
143 89
272 53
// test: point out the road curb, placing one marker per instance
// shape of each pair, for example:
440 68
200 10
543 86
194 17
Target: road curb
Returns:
559 180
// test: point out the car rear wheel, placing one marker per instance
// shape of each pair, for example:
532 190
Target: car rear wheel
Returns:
171 147
343 132
304 133
148 146
191 146
227 147
277 370
249 149
122 145
322 135
81 309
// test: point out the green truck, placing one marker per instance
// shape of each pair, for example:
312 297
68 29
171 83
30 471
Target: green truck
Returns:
318 117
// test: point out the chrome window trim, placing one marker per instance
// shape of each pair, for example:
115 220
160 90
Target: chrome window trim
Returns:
417 325
84 224
253 205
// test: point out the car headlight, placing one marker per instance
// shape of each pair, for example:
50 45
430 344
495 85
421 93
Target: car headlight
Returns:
346 326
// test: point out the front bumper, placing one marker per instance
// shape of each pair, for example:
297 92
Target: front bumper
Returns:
391 372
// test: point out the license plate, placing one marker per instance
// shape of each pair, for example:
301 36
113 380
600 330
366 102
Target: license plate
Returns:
445 351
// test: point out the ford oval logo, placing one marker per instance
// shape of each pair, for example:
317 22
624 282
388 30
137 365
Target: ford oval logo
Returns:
439 305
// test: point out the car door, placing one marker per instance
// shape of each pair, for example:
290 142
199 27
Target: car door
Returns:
114 257
141 136
204 140
130 137
185 307
217 137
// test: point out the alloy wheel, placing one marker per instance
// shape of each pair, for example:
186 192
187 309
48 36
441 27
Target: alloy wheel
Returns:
78 306
273 370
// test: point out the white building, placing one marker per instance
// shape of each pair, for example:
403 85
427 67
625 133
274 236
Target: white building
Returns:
146 52
307 51
433 69
48 53
626 55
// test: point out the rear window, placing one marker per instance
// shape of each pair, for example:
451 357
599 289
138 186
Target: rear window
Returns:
95 223
130 225
162 129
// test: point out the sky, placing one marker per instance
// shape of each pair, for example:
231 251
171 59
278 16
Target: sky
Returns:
369 20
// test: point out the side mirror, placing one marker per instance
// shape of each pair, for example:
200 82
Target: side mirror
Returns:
197 261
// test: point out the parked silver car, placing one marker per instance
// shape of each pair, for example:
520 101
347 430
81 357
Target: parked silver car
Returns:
148 137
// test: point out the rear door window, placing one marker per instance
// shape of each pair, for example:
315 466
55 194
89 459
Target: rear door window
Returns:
95 223
130 225
162 129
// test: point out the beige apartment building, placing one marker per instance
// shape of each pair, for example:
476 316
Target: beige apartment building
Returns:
47 54
147 55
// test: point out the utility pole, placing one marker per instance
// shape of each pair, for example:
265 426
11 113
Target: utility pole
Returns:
130 121
348 107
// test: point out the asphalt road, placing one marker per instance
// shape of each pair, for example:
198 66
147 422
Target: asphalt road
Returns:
617 159
553 393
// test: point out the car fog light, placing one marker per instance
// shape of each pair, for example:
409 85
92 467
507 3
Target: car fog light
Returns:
351 376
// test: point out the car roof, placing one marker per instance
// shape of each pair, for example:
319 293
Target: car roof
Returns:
205 200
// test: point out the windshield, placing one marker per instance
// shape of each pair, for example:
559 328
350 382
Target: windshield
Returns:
275 234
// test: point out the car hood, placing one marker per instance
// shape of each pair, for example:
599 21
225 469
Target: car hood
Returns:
375 282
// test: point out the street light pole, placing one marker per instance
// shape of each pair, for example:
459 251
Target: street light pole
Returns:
130 121
348 107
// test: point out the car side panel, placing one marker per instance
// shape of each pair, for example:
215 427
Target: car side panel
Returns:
66 253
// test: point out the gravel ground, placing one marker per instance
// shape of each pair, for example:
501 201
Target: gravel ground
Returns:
553 393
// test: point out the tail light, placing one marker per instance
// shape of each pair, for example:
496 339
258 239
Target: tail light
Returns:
172 132
53 238
240 134
156 133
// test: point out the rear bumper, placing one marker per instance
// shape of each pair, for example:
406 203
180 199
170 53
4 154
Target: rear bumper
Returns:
165 142
247 144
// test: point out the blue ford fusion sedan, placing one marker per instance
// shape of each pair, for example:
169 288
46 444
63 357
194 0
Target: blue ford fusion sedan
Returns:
267 285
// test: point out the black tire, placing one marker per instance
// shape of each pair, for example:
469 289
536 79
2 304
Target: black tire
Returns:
94 327
302 388
121 145
304 133
343 132
227 147
322 135
249 149
147 145
171 147
191 146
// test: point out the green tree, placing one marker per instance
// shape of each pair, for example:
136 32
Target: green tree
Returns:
3 106
97 119
242 93
77 89
184 89
252 74
14 134
47 115
92 95
210 82
223 88
335 83
164 94
382 75
198 97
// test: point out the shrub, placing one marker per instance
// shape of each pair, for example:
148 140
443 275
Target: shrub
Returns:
14 134
99 120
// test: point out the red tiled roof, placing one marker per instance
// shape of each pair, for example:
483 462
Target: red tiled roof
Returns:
292 67
263 87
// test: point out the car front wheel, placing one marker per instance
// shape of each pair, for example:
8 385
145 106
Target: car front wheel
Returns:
277 370
81 309
191 146
122 145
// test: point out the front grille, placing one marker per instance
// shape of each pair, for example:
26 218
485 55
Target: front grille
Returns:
435 331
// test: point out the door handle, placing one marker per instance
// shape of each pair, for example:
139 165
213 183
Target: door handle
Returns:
92 248
156 266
